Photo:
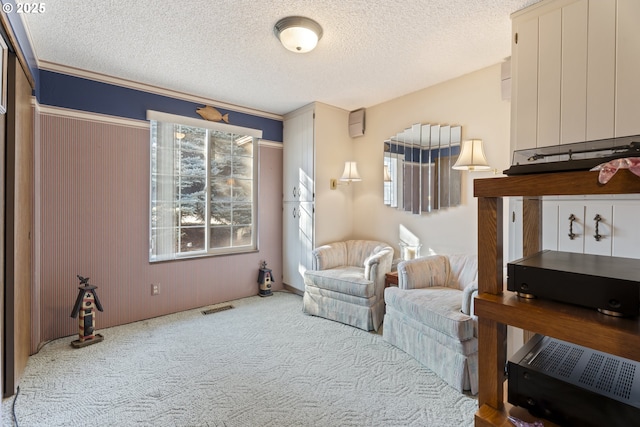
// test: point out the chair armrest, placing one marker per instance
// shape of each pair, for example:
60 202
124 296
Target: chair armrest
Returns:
468 294
376 266
374 260
329 256
423 272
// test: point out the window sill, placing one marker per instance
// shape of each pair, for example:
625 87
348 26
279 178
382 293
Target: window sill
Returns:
202 255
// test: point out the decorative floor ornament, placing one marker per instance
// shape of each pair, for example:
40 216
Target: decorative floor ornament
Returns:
209 113
86 304
265 278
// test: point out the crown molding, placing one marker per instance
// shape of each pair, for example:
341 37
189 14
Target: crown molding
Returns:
96 117
270 144
104 78
84 115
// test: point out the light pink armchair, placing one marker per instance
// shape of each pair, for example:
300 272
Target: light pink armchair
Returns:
430 316
347 282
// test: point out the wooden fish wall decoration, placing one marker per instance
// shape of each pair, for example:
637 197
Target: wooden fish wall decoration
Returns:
211 114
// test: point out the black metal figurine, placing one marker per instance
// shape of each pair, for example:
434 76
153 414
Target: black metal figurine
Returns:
86 304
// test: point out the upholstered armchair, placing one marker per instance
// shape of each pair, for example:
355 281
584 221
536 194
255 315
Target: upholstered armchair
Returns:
347 282
430 316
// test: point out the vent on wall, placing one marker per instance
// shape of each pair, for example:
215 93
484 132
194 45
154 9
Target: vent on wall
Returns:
356 123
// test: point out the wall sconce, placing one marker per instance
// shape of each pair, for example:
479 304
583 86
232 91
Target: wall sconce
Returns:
472 157
297 33
350 174
386 174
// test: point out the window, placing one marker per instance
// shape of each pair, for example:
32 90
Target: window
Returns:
389 185
203 188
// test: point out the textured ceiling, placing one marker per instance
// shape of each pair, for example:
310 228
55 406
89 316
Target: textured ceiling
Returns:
371 51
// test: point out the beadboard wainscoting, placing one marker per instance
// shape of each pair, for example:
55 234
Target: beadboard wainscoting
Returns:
92 219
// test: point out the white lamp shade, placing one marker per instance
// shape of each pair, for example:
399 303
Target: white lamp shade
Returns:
298 34
350 172
472 157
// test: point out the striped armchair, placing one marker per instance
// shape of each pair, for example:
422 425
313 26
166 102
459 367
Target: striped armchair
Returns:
347 282
430 316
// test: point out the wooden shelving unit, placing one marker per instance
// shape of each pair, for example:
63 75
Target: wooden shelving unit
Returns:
495 309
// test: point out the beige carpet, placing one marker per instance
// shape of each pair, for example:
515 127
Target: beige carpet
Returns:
262 363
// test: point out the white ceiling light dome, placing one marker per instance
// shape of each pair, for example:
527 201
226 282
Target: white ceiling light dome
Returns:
297 33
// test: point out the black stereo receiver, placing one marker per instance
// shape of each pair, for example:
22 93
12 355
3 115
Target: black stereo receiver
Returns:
609 284
573 385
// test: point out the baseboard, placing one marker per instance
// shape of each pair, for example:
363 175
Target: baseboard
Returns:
292 289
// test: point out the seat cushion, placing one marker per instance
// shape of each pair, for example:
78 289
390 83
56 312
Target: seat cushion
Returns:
435 307
345 280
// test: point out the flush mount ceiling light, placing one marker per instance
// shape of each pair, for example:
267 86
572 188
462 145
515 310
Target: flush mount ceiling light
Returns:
297 33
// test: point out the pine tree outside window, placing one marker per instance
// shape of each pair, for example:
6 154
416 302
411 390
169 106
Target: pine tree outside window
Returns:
203 189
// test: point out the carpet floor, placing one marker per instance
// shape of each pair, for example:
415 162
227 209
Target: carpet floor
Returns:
262 363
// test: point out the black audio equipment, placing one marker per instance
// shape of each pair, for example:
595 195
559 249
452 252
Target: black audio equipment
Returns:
610 284
571 157
573 385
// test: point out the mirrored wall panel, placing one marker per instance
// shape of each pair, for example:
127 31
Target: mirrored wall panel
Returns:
417 168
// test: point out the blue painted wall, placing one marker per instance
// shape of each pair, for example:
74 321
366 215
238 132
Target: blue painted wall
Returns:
61 90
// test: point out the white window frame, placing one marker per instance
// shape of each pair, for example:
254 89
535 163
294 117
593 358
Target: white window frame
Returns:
390 188
175 252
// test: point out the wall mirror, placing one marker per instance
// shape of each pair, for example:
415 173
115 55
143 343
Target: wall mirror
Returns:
417 168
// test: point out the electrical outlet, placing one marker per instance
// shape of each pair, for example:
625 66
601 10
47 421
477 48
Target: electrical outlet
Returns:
155 289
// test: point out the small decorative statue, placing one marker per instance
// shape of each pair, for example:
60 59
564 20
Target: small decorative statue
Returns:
85 305
264 280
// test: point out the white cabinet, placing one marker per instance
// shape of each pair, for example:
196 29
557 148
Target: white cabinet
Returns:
599 227
297 225
316 144
298 150
298 195
625 241
549 77
627 67
515 231
524 94
574 72
601 71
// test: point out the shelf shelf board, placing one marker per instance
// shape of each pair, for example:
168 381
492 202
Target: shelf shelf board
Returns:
582 326
496 308
488 416
556 184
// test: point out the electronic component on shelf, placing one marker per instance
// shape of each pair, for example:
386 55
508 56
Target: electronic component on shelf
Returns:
571 157
573 385
609 284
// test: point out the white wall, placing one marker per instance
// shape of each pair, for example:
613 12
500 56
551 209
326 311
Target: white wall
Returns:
333 147
472 101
